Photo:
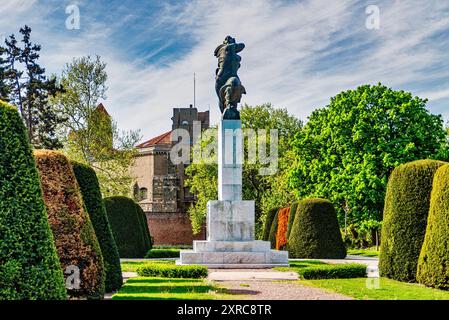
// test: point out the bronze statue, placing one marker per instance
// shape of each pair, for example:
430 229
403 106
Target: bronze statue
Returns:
228 87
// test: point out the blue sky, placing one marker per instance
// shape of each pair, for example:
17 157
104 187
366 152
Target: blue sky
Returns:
298 53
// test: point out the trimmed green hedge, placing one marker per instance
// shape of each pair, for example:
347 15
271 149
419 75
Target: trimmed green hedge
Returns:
125 221
90 190
405 218
145 228
268 222
274 230
163 253
333 271
291 218
73 233
29 265
433 263
173 271
315 232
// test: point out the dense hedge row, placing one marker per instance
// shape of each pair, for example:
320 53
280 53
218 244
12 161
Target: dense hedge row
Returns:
163 253
144 227
29 265
173 271
268 222
281 240
273 230
333 271
433 264
315 232
291 218
90 190
406 209
126 224
73 233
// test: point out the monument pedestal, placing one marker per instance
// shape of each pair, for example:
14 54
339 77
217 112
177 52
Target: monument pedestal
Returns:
230 220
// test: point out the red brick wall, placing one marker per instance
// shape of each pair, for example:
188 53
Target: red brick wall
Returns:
172 228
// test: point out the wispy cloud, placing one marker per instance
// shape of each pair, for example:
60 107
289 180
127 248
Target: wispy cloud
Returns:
298 53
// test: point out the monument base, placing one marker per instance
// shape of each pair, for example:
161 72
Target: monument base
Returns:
230 240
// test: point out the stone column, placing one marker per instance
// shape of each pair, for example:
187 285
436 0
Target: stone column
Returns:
230 160
230 220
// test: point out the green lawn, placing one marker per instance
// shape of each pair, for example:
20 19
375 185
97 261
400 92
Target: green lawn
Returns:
368 252
143 288
299 264
131 266
388 289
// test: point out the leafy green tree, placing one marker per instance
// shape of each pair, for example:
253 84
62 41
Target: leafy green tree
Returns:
268 191
92 136
4 87
29 89
348 149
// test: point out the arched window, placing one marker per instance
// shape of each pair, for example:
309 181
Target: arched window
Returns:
143 193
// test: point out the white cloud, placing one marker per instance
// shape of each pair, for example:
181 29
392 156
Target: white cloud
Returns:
297 55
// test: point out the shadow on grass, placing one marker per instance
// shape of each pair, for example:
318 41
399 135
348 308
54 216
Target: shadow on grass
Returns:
163 280
166 289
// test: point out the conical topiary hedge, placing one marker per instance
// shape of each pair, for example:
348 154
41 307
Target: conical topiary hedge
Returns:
145 228
433 263
274 230
291 218
90 190
404 223
281 240
29 265
126 226
268 222
315 233
75 239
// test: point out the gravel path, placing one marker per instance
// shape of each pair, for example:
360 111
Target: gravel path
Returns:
272 290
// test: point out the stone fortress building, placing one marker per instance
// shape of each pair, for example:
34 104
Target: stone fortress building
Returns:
159 186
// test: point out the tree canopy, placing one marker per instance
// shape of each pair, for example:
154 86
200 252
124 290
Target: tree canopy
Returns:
268 191
92 136
348 149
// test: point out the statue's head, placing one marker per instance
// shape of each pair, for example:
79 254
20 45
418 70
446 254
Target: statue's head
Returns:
229 40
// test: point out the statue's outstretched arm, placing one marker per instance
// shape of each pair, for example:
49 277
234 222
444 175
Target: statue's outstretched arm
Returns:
238 47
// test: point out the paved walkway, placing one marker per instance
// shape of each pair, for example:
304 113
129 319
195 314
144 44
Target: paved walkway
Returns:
250 274
269 284
273 290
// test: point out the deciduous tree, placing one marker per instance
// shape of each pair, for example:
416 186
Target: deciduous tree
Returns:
348 149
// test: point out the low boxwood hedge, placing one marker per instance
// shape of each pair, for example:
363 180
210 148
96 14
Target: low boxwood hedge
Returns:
163 253
333 271
173 271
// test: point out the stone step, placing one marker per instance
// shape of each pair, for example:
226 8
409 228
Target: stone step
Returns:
231 246
221 259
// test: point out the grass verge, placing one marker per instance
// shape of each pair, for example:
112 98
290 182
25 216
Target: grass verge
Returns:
384 289
368 252
132 266
313 269
150 288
